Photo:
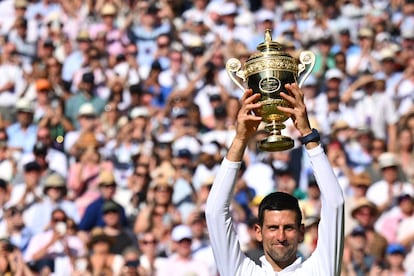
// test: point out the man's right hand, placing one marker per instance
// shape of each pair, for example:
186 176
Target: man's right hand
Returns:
247 124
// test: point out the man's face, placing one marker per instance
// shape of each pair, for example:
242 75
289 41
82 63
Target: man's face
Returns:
280 235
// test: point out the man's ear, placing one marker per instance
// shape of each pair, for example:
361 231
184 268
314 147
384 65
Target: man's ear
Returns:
258 231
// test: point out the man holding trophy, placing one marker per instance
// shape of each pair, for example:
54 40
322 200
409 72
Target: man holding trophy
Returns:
271 81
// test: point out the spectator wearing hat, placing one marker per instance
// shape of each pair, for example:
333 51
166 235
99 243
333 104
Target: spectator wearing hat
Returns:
22 134
389 65
93 214
366 213
43 99
231 31
393 263
121 236
107 24
385 191
54 190
182 262
359 184
86 119
53 248
159 214
363 61
29 191
73 62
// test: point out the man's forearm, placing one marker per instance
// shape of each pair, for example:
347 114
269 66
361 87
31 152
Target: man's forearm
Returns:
236 150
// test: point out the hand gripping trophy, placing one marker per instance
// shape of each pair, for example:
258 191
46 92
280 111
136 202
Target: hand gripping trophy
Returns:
267 72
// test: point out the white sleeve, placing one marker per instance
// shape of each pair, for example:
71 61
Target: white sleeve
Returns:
327 257
223 237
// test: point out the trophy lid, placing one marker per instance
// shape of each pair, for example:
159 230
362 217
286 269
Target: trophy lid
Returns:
268 44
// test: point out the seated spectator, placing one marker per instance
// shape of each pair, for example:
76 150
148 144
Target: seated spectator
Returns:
11 260
102 261
52 249
28 192
152 255
22 134
83 177
181 262
93 216
54 190
159 215
121 236
17 232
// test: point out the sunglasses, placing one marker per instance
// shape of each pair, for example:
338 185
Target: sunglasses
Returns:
148 242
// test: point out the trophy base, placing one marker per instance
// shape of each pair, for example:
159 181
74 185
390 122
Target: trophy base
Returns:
276 143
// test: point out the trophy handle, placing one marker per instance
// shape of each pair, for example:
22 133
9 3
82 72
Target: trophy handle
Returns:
233 66
307 62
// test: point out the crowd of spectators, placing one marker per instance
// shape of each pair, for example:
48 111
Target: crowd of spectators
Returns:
115 115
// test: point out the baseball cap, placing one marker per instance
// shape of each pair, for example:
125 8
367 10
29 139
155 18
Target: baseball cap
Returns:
358 231
109 206
395 248
333 73
43 84
181 232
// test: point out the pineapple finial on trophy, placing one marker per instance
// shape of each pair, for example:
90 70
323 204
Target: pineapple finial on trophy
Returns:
268 44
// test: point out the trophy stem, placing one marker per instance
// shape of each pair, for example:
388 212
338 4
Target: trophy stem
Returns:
276 141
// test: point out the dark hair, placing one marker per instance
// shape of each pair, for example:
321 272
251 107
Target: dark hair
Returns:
279 201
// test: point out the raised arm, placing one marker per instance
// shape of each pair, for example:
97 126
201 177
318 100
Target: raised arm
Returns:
224 241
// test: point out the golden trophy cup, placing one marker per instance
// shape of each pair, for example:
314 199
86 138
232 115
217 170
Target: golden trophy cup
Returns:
266 72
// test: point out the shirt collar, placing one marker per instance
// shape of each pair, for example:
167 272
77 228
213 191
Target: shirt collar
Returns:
268 267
